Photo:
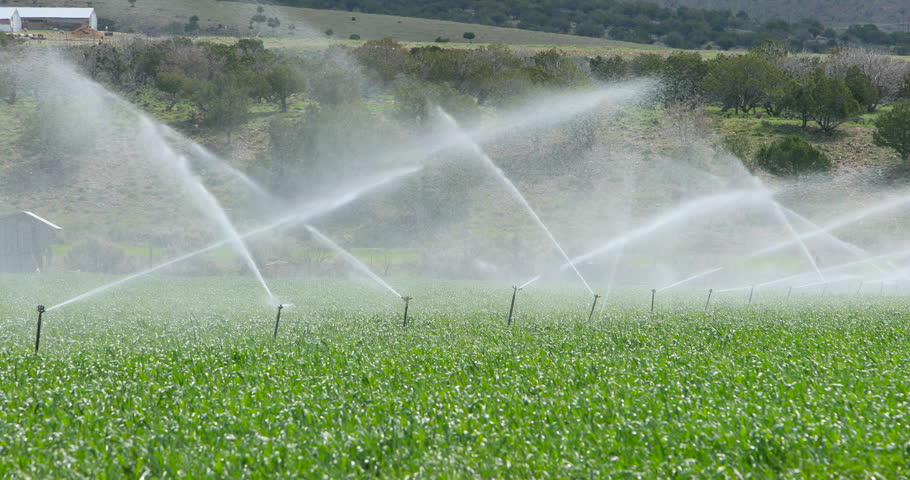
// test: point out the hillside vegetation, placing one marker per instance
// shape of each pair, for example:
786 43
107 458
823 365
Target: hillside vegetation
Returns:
640 22
233 19
294 119
891 14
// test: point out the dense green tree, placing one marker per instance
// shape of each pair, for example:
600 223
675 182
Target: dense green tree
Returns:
228 108
741 82
469 36
589 28
609 69
172 84
861 87
555 68
283 82
892 130
791 156
193 25
798 100
833 104
683 75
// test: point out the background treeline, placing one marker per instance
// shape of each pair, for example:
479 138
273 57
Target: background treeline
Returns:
638 22
314 98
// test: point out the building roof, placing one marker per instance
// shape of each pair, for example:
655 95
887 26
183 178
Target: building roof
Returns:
32 215
37 12
6 13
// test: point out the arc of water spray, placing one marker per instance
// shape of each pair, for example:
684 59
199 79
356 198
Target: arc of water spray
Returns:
504 180
691 278
840 222
699 206
529 282
776 207
352 260
868 260
304 214
212 207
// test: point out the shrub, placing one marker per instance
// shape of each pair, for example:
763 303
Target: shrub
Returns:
892 130
791 156
354 36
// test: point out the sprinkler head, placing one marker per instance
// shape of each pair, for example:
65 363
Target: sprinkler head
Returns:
280 306
406 299
40 308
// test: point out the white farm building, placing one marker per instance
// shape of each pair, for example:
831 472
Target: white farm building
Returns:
63 18
10 20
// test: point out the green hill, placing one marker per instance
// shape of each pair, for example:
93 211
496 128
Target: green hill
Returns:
172 15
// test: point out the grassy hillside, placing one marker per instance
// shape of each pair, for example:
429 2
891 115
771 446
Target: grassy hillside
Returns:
311 22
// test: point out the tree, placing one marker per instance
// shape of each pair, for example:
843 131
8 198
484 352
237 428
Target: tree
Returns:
798 100
192 25
609 69
833 102
172 84
284 81
227 110
892 130
861 87
791 156
590 29
740 82
329 32
274 23
132 3
354 36
469 36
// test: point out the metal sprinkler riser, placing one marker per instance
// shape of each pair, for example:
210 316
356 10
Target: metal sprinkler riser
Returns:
593 306
277 320
38 333
512 305
407 303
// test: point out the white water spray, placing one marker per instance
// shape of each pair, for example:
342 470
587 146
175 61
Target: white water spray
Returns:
352 260
529 282
303 214
691 278
504 180
699 206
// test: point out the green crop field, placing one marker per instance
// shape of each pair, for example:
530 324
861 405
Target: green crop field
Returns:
180 377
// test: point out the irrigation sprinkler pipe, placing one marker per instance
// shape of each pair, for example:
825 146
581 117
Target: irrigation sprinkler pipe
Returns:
708 302
653 293
407 303
593 306
751 292
277 320
38 333
512 305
